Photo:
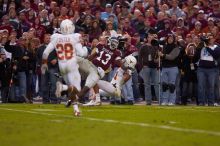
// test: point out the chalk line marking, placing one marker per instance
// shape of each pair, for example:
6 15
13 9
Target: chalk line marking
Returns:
165 127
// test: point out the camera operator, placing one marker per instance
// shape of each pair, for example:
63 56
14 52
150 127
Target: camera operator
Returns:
148 62
169 60
206 55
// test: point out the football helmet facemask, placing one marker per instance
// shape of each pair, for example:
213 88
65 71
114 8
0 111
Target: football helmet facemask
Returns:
113 43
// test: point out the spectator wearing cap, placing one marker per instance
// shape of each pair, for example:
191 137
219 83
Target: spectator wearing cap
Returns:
206 55
180 26
41 7
108 11
197 29
176 10
117 9
211 24
148 62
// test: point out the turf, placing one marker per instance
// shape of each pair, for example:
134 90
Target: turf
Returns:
54 125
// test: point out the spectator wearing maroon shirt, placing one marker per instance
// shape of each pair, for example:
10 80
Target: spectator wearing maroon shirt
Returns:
211 24
197 29
40 30
180 26
138 5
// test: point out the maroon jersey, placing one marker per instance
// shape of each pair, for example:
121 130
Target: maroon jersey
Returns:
105 57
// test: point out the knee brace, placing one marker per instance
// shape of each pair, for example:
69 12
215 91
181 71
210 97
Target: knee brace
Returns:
164 86
172 88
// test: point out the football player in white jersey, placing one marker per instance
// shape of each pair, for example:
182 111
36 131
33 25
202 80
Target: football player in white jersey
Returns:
68 46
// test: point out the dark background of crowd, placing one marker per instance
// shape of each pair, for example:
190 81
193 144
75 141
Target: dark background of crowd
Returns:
26 27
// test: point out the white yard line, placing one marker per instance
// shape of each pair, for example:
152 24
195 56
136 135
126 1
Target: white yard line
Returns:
165 127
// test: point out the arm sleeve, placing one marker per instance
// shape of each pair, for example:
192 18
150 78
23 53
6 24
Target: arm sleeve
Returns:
215 53
173 54
48 50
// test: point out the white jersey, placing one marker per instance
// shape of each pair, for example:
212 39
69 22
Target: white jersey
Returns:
66 46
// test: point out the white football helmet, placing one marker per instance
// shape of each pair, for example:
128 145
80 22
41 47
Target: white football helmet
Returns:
130 62
113 43
67 27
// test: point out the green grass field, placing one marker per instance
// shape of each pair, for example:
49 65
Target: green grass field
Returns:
54 125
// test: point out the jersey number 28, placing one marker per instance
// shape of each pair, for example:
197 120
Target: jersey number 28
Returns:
64 51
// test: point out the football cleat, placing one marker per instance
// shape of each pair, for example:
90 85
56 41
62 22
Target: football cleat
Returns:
77 113
68 103
93 103
117 92
59 87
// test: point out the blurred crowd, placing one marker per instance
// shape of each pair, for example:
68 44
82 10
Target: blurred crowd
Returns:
176 43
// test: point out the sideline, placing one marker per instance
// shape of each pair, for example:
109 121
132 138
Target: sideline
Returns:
164 127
